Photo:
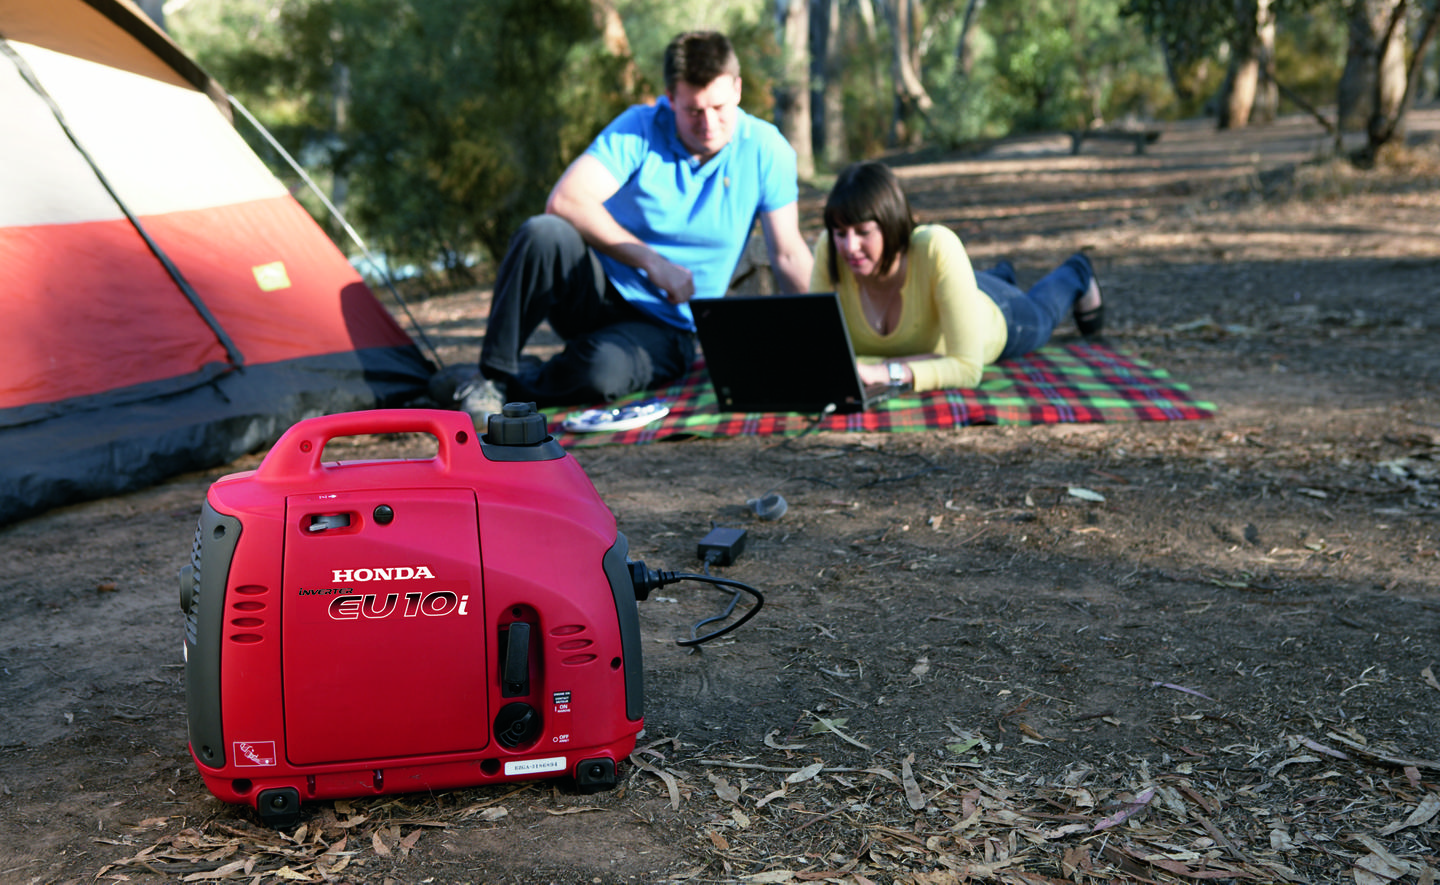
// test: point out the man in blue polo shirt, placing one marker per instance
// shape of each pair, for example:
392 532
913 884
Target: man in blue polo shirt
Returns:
654 213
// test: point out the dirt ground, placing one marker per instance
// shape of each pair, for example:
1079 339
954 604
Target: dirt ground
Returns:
1224 670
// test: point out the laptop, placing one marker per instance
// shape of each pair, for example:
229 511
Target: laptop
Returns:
781 353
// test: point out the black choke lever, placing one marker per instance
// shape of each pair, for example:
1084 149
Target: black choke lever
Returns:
515 672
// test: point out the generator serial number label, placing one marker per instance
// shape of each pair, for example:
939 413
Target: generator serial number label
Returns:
534 766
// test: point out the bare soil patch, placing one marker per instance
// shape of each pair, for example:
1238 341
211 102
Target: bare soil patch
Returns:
1224 670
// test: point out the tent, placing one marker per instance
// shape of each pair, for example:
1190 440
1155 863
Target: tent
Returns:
165 304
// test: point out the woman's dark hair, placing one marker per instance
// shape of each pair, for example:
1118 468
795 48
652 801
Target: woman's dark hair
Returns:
698 57
869 192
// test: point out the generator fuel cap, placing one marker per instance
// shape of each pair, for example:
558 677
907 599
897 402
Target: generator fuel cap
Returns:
518 424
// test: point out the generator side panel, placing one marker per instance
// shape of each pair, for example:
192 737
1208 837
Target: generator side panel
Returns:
569 667
216 537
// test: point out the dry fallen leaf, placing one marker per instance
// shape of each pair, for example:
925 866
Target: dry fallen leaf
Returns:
670 783
774 745
770 877
804 774
724 789
1429 676
833 725
1127 811
913 796
1373 869
771 797
1427 809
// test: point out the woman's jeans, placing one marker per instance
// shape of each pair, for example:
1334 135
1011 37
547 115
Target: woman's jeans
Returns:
1031 317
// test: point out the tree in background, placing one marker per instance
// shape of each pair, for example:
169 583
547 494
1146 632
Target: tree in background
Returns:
1374 90
912 101
450 120
827 82
1375 62
792 92
1243 31
1395 79
447 121
1067 65
1250 93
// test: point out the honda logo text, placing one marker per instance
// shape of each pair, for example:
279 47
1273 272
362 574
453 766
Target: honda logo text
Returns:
398 573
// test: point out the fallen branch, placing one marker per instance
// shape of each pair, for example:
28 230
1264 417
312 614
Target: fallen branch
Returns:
1397 761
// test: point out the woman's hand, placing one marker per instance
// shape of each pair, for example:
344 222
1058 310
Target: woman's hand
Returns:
878 374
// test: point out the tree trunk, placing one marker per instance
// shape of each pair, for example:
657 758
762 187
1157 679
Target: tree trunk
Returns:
1267 91
793 92
1387 124
340 124
866 10
910 93
1247 81
834 146
1386 118
615 42
1369 60
964 52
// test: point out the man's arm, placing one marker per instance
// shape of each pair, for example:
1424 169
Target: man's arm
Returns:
579 198
790 258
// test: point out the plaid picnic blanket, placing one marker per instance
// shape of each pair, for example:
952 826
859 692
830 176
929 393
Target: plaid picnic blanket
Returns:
1058 384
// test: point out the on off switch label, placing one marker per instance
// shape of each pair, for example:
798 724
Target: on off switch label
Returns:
560 718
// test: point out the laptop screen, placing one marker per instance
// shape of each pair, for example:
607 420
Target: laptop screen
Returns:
778 353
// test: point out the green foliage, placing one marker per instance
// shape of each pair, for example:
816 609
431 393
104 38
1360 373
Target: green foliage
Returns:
651 24
760 61
869 102
448 119
1310 52
1189 30
1052 64
1195 35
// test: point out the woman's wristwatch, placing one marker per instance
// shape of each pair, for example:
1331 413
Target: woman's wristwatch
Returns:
897 376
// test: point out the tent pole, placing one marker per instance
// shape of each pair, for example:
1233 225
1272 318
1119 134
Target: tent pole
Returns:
355 237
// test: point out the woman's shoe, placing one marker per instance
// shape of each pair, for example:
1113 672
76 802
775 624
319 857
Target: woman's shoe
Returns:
1090 322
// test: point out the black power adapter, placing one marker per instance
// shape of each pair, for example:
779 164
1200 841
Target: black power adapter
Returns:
721 546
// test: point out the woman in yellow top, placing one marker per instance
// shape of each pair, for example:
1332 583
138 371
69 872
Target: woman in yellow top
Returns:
910 295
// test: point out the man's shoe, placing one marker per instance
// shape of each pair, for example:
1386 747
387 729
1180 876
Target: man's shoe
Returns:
443 384
480 398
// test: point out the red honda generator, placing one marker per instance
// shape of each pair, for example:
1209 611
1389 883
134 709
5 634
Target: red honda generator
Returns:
369 627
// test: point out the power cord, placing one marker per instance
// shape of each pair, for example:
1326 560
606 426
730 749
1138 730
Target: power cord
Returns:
719 548
814 423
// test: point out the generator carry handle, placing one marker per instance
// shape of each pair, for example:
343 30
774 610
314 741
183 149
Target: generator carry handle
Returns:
297 453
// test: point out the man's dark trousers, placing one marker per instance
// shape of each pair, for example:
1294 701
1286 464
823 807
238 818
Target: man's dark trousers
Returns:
611 348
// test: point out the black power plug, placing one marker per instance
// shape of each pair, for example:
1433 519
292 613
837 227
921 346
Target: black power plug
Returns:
721 546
